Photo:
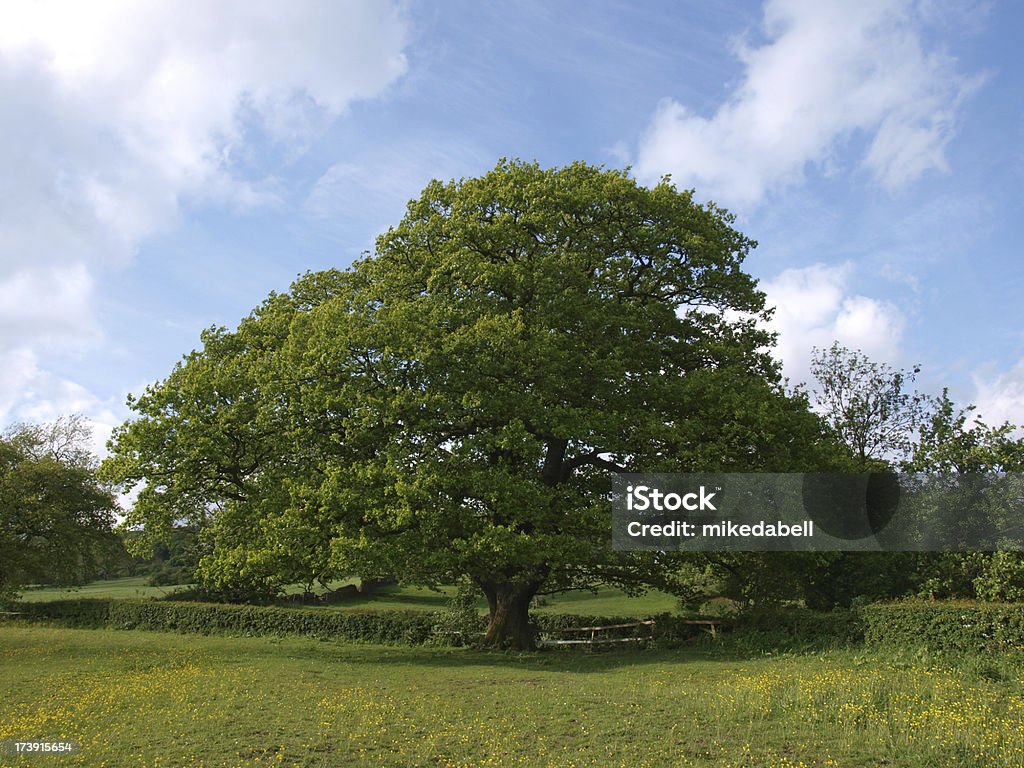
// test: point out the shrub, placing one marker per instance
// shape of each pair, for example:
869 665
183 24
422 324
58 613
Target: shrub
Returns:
396 627
1002 578
457 624
955 627
792 629
460 623
959 627
170 575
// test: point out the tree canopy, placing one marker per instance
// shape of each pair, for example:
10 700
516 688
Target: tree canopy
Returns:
456 403
55 517
868 404
219 445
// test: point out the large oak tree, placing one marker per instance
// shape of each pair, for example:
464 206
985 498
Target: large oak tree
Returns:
516 339
457 402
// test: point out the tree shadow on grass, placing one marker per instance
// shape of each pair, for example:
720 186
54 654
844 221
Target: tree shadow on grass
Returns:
573 660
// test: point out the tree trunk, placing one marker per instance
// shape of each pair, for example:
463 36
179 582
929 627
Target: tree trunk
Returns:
509 625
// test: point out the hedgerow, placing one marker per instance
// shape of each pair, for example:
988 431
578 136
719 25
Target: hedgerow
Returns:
396 627
797 628
957 627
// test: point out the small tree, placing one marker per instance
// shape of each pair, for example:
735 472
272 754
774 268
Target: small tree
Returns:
957 445
949 445
868 404
65 440
55 517
871 409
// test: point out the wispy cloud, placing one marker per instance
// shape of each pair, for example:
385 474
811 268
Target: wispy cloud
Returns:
376 189
827 71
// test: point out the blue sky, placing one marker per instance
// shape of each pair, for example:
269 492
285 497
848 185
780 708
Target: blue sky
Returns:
165 165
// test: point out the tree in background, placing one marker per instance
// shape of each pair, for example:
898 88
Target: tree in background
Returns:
175 559
870 408
887 426
56 518
65 440
868 404
948 445
956 444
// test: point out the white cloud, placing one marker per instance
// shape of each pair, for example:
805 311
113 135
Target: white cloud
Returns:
49 304
829 69
118 111
115 114
814 307
1001 398
31 394
20 369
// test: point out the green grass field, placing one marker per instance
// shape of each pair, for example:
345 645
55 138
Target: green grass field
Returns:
131 587
605 602
149 699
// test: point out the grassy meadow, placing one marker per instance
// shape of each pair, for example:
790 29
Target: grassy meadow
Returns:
128 588
605 602
150 699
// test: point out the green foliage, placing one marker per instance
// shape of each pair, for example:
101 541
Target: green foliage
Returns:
947 575
215 447
402 627
794 629
867 404
170 575
460 623
955 627
954 445
839 579
55 517
174 560
1001 578
952 627
987 576
237 591
456 403
818 580
948 445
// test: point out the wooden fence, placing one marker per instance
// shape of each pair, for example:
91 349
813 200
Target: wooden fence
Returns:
601 635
